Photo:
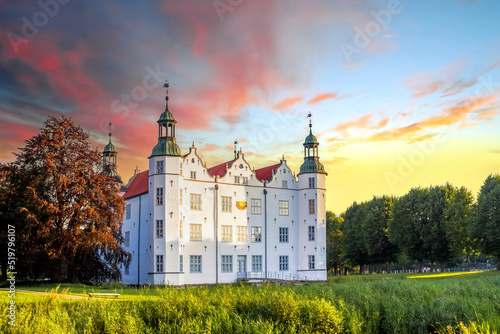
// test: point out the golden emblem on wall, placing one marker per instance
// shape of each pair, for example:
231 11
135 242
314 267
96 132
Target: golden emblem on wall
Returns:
241 205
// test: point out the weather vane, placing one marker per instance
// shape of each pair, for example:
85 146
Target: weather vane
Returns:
310 118
166 85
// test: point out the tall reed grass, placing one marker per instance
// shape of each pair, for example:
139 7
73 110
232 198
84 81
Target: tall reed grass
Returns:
387 304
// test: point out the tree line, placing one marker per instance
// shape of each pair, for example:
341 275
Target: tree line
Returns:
432 225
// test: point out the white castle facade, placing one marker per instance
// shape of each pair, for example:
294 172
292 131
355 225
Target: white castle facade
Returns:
189 224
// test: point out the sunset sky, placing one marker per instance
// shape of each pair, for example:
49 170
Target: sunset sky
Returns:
402 93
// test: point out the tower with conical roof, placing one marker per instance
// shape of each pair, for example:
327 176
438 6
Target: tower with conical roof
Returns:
109 156
164 187
312 211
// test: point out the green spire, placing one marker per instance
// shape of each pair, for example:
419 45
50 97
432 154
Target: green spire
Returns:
166 133
110 148
311 159
109 159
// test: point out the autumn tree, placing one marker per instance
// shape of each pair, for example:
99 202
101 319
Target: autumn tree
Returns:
333 242
67 213
485 227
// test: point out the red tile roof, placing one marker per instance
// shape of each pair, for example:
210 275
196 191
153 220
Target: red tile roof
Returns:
265 174
220 170
138 186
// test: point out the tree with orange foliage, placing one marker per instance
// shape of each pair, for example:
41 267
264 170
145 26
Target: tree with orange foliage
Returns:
67 213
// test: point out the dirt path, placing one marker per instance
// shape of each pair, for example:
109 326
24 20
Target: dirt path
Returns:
58 295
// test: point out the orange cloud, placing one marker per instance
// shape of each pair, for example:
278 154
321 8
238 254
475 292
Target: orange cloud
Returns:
365 122
209 148
321 97
281 106
408 133
486 115
360 123
459 112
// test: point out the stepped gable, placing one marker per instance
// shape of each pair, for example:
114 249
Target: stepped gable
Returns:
265 174
138 186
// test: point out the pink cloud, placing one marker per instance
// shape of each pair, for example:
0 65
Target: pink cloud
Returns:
286 103
322 97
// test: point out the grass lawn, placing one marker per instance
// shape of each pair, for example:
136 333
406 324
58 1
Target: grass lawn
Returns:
398 303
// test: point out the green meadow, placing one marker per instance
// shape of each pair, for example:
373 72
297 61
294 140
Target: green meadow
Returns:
400 303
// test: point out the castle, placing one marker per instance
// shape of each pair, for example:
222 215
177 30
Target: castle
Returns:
189 224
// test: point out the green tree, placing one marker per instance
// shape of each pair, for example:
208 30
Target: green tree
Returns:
458 213
333 242
485 227
353 247
67 213
408 225
377 213
434 235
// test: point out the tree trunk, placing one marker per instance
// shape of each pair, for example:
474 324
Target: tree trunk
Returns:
432 267
468 262
370 268
443 265
388 267
420 265
361 269
498 262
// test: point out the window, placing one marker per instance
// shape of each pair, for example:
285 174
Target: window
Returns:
237 179
181 196
284 184
312 264
195 263
245 180
159 263
127 270
312 207
226 203
159 196
256 234
311 182
227 233
226 263
195 232
181 228
159 167
241 233
256 206
196 202
127 239
193 175
257 263
283 262
283 208
128 211
181 263
311 233
283 234
159 228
